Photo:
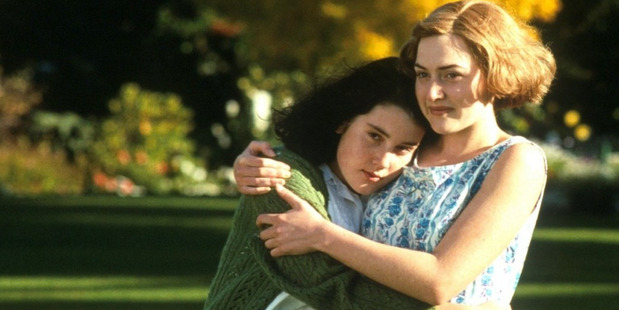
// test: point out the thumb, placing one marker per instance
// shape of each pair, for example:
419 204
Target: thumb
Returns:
260 147
291 198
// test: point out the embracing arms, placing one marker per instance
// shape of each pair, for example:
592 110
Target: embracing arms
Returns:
316 278
488 224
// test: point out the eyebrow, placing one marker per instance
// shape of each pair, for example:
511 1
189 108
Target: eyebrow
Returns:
384 133
440 68
377 128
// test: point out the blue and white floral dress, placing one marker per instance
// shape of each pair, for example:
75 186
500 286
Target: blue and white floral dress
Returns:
418 208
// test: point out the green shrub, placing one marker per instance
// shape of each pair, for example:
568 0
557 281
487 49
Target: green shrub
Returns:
27 169
17 98
145 143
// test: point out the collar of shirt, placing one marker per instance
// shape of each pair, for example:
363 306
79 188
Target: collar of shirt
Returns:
345 206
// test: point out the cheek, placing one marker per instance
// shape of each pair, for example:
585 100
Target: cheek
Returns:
402 161
396 167
419 92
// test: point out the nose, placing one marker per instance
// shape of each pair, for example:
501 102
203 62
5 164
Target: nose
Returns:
382 159
435 91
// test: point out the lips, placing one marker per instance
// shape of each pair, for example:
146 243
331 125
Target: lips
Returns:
372 177
439 110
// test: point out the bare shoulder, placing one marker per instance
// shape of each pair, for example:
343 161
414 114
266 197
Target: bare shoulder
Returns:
521 161
526 154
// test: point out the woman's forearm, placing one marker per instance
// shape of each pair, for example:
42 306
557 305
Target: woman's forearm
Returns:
391 266
478 236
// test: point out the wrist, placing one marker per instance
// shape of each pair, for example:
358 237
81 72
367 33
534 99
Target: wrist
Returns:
327 236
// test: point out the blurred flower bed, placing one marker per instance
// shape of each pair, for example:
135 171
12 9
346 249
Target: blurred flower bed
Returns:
142 148
26 169
585 184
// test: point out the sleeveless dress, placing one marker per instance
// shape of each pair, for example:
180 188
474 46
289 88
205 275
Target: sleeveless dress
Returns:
417 209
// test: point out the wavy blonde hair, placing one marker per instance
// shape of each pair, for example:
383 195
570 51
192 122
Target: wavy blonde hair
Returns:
518 68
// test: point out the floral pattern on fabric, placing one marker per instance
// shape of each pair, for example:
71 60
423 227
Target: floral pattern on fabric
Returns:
417 209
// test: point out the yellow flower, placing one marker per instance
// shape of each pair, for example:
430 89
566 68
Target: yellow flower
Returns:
582 132
571 118
145 128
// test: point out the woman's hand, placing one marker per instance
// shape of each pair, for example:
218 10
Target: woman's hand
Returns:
256 175
295 232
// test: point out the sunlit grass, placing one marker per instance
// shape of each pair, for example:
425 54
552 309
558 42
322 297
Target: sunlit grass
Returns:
116 202
103 288
578 235
545 290
136 220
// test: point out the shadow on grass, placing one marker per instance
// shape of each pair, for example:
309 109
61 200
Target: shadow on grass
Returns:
108 237
124 239
572 264
161 253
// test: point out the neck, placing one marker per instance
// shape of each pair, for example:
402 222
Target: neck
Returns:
463 145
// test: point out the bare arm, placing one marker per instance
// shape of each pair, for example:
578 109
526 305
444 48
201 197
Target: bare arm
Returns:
478 236
256 175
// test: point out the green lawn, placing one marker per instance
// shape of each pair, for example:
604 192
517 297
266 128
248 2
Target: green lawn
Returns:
160 253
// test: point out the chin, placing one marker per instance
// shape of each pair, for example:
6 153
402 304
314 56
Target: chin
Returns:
367 190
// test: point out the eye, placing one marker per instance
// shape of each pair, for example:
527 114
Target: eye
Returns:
405 149
374 136
421 74
452 75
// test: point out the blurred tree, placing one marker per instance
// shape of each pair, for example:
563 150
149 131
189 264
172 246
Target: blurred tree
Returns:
82 52
584 99
220 54
18 96
314 35
313 38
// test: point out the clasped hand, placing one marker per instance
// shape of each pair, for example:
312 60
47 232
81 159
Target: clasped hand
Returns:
295 232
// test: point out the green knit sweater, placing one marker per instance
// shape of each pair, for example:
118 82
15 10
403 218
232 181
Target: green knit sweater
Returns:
249 278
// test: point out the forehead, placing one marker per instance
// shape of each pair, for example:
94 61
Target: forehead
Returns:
389 117
387 111
443 50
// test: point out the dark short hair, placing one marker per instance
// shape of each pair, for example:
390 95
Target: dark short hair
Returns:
308 127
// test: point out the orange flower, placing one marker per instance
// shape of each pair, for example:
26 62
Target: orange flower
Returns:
123 157
225 28
99 178
111 185
141 157
162 168
125 186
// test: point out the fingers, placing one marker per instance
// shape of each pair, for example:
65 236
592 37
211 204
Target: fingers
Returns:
251 185
245 161
291 198
263 221
271 242
260 148
255 175
256 171
250 190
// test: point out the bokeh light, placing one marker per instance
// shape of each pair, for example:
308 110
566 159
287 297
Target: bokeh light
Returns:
571 118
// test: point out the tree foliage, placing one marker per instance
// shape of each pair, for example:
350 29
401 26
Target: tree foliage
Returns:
584 39
313 35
